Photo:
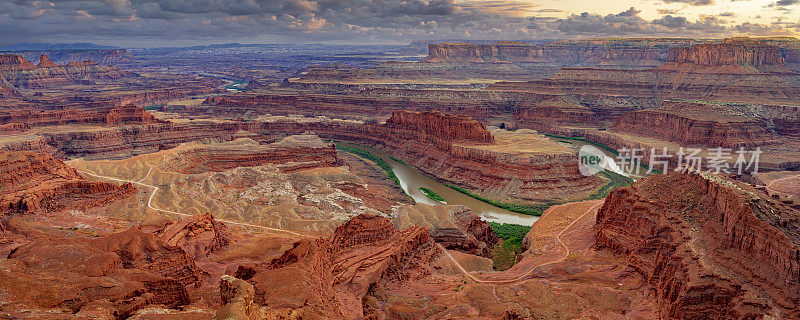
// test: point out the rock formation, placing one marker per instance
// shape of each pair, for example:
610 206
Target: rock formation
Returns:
520 167
292 153
114 116
198 235
122 272
20 73
707 72
689 123
709 246
636 53
33 182
327 278
237 299
444 126
742 53
454 227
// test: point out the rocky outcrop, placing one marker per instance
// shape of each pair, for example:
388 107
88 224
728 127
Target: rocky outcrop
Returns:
237 299
291 153
749 55
123 272
197 235
454 227
443 126
709 247
33 182
327 278
20 73
703 72
14 128
113 116
44 62
129 114
629 53
689 123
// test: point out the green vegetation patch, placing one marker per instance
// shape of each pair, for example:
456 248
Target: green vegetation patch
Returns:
431 194
529 209
506 252
371 157
398 160
599 145
617 180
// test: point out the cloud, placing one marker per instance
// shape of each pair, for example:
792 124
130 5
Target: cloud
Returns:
174 22
692 2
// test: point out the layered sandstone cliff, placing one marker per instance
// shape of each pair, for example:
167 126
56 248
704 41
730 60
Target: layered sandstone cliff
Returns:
710 247
20 73
445 126
114 116
454 227
734 55
35 182
689 123
291 153
629 53
328 278
110 276
708 72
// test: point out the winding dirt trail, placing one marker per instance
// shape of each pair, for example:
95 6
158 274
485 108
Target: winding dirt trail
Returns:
788 195
532 268
245 226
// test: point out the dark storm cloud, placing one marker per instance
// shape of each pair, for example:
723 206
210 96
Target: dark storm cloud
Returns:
173 22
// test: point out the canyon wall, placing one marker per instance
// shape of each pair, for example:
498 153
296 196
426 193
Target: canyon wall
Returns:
113 116
334 106
465 159
709 247
334 274
688 123
629 53
731 52
707 72
445 126
291 153
34 182
101 56
20 73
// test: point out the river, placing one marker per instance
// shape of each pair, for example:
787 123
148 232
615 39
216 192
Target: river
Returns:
411 179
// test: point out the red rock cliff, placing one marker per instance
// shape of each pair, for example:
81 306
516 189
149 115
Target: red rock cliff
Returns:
333 275
689 123
32 182
710 247
736 52
446 126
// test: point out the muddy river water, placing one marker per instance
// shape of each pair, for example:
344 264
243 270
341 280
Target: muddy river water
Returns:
412 179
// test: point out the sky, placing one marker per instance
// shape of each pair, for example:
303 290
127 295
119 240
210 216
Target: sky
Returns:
150 23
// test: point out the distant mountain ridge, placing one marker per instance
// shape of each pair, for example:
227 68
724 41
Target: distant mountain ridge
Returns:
54 46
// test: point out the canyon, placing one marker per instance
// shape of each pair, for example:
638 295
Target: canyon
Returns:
234 182
18 72
711 247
